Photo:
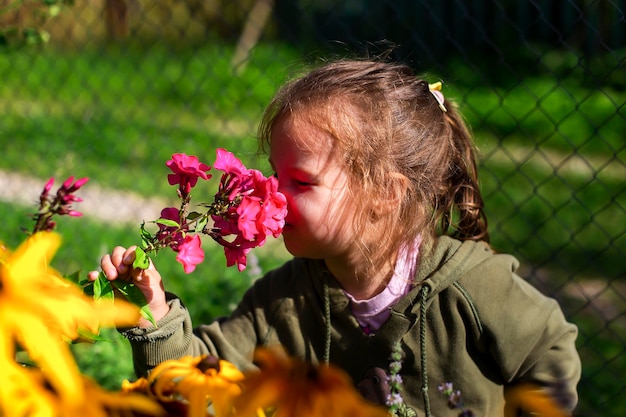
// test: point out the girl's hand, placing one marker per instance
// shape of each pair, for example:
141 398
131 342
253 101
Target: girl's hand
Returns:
119 265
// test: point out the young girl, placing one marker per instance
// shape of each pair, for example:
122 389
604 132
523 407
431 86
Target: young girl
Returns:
385 222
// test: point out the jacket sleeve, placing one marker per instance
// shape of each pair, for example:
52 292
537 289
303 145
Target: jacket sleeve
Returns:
231 338
172 338
528 336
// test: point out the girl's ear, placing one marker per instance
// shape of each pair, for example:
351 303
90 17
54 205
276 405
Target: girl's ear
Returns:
390 198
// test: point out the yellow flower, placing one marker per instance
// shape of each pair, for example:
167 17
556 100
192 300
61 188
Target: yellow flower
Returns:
101 403
533 400
200 380
30 395
296 388
40 311
23 393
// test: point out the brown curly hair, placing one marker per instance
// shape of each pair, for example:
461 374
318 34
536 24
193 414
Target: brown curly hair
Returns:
384 121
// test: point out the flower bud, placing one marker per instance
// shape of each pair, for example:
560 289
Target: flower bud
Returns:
48 186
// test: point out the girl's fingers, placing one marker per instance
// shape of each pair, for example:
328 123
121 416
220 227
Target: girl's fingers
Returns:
119 264
93 275
116 258
128 257
112 267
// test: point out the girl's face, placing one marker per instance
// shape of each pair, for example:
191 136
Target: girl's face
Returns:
320 213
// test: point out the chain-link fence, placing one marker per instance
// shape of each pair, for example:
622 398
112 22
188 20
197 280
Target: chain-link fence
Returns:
542 83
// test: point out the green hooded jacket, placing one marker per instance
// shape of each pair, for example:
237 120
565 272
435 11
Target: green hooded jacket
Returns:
469 320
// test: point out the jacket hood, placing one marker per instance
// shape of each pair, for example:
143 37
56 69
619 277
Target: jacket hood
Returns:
444 262
448 259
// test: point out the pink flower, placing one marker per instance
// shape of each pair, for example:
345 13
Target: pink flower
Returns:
247 208
190 253
187 169
227 162
226 223
275 207
272 204
237 179
48 186
249 211
259 211
59 204
70 188
170 213
176 238
236 252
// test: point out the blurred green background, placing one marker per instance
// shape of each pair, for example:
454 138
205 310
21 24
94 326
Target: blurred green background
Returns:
110 89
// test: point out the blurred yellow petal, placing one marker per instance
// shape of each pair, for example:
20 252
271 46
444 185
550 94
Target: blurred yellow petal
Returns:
29 264
298 388
229 372
140 385
30 282
7 344
200 381
119 402
40 310
22 393
198 402
50 352
531 399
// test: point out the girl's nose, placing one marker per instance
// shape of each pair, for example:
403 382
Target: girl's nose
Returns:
285 191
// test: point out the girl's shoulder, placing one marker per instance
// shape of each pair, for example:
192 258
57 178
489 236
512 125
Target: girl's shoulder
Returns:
450 260
295 276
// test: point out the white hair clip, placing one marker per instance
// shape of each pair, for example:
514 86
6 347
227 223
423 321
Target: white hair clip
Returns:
435 90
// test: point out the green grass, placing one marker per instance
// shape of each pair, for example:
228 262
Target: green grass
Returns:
117 115
90 113
567 223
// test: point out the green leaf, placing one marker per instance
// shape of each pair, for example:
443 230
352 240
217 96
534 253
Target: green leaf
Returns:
97 288
88 337
167 222
134 295
146 237
201 224
88 288
102 288
75 278
193 215
141 259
